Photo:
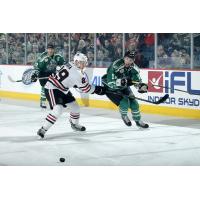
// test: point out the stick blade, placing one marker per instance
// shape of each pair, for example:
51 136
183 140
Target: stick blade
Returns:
163 99
10 79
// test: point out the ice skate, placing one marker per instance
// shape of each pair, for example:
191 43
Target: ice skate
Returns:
126 120
77 127
141 124
41 132
43 105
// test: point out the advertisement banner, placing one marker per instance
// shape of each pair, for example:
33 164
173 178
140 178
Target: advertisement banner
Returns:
165 81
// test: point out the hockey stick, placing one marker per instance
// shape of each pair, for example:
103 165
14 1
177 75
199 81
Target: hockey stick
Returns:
164 87
161 100
14 81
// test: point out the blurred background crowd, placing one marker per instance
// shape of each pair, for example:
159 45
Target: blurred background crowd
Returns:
162 50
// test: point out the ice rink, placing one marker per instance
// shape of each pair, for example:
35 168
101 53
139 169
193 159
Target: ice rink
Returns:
107 141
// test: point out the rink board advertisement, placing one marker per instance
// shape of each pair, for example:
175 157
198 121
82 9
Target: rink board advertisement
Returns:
187 81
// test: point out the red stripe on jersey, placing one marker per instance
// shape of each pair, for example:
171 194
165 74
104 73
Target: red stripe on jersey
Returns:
84 86
57 83
87 89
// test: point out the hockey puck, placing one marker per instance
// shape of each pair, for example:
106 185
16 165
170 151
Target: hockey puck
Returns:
62 160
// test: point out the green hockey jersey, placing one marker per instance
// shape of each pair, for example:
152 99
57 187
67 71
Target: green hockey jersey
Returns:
117 70
46 65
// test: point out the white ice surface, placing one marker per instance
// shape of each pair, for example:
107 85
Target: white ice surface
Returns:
107 141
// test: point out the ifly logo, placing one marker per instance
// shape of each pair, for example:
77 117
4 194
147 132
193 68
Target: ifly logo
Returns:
172 80
155 78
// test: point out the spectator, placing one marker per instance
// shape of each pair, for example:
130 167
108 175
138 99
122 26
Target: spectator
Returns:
102 60
90 56
118 53
109 48
161 52
81 47
149 40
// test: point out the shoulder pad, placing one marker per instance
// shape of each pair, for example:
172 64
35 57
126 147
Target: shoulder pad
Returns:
117 63
43 54
58 55
44 59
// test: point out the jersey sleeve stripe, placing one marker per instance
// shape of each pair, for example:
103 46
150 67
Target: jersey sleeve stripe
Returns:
87 89
57 84
82 87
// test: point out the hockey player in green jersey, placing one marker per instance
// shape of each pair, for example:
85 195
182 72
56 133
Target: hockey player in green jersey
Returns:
120 76
44 66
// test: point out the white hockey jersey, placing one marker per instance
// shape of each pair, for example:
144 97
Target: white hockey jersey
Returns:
69 76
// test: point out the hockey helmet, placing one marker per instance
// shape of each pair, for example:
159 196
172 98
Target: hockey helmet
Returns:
50 46
80 57
130 54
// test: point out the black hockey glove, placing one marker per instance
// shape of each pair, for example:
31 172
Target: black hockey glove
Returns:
100 90
142 88
124 82
34 77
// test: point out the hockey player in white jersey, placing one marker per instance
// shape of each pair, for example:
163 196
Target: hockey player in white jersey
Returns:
58 94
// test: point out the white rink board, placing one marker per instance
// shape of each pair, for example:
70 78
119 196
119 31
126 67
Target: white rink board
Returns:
183 80
102 144
16 72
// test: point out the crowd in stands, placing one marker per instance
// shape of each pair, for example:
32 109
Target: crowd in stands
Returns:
35 45
109 48
84 43
16 48
143 44
173 49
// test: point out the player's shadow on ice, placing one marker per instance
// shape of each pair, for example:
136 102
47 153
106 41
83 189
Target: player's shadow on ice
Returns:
94 133
73 135
74 138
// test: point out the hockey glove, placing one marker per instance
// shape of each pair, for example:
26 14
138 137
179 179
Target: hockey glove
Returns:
142 88
100 90
124 82
34 77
